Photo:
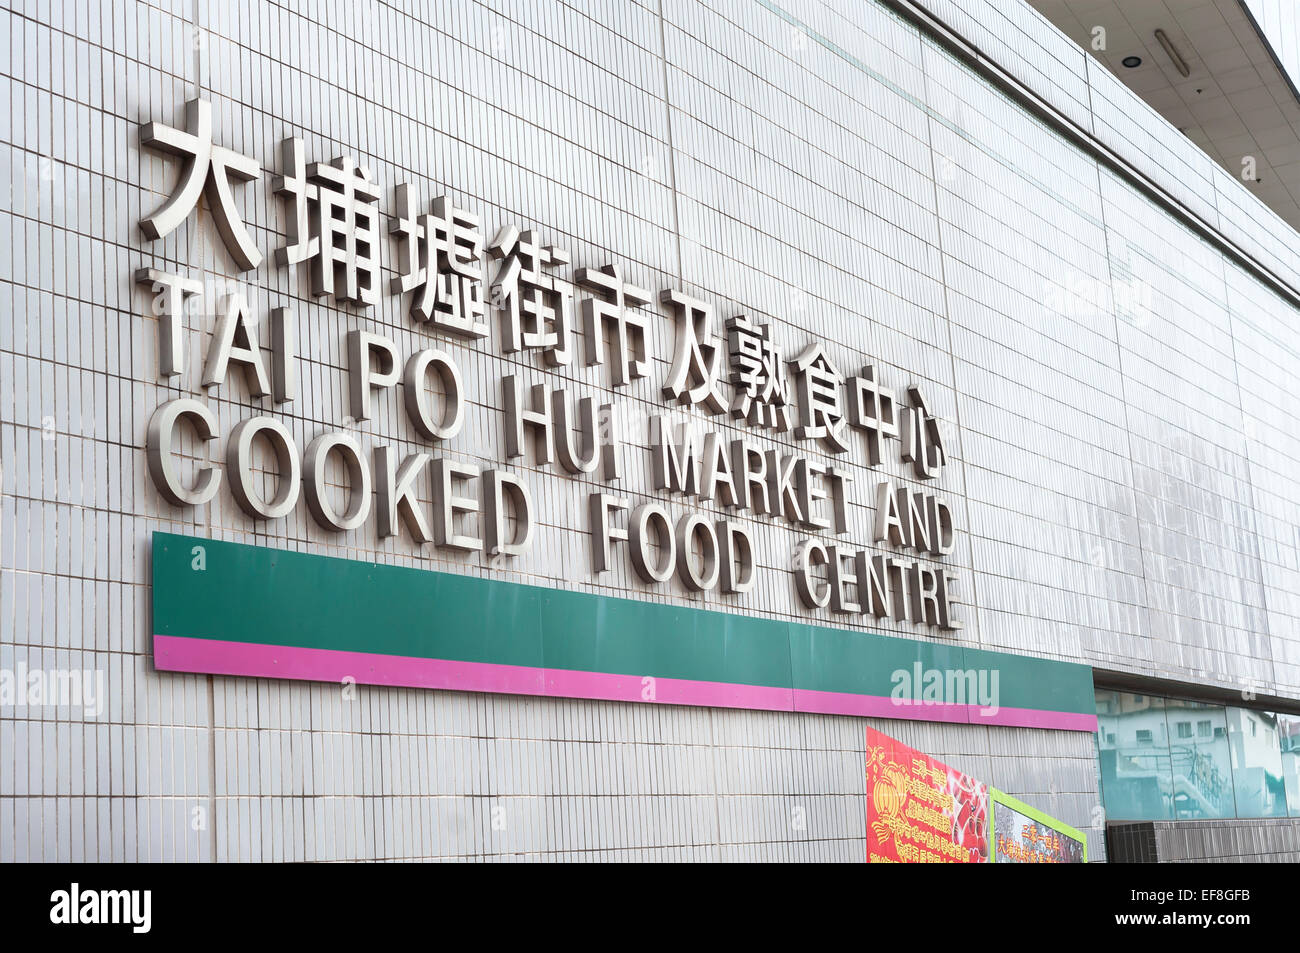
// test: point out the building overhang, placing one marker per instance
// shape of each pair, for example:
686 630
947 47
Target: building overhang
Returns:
1208 68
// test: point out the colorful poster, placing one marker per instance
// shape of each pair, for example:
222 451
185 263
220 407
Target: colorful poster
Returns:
921 811
1023 835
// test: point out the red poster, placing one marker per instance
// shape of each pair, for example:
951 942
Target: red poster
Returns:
919 810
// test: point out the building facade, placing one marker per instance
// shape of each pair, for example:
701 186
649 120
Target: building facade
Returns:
376 468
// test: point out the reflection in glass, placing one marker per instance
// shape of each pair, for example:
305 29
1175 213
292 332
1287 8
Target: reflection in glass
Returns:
1288 729
1200 764
1256 763
1133 745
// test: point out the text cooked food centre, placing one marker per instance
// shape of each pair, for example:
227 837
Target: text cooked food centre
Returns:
740 431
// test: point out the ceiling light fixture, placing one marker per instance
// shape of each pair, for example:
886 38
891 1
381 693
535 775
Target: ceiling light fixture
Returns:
1180 64
1132 61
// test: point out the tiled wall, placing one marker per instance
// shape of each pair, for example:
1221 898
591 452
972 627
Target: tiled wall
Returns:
1275 841
1116 394
295 773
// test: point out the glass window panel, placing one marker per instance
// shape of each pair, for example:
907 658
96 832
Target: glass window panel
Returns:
1256 763
1133 747
1200 763
1288 729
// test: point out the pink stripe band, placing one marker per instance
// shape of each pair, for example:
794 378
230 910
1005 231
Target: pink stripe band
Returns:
219 657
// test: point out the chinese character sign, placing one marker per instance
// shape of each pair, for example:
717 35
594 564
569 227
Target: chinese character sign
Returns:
434 255
1023 835
919 810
